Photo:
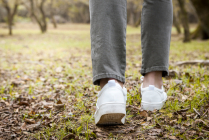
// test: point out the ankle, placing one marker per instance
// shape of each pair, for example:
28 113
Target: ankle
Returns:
104 81
153 78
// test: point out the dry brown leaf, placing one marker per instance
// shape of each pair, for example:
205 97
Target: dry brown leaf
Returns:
149 118
2 104
23 127
172 122
23 103
59 102
59 106
31 113
30 121
33 127
42 111
144 113
173 137
184 97
47 105
153 134
157 130
172 74
144 123
178 81
71 136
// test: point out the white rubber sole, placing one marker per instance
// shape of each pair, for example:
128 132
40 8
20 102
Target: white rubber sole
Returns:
151 107
111 114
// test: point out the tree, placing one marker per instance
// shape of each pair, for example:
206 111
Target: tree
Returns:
184 20
202 10
52 14
134 8
138 22
176 21
37 11
10 13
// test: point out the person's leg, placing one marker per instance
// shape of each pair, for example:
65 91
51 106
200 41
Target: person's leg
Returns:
104 81
153 78
108 40
108 49
157 18
156 27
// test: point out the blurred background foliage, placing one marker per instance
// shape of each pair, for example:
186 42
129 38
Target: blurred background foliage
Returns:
44 12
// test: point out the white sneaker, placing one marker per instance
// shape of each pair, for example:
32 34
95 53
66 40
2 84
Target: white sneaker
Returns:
152 98
111 104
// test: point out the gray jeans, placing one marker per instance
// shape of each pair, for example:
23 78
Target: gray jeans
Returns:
108 37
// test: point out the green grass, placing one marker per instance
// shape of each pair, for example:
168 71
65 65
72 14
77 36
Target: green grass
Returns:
35 58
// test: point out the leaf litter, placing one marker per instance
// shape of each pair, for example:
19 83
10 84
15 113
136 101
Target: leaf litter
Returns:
49 95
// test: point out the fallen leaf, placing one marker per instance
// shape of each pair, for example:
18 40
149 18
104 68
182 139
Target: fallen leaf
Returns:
184 97
172 137
33 127
30 121
59 69
172 74
23 103
149 118
59 102
59 106
178 81
144 123
71 136
23 127
144 113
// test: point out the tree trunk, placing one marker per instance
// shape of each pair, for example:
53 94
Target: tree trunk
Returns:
34 15
10 14
43 16
54 21
10 25
184 20
41 21
9 19
202 10
52 14
138 22
176 24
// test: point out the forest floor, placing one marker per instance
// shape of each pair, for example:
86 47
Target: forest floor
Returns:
46 89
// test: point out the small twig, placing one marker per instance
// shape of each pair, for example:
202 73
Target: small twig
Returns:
195 116
134 107
193 62
196 112
180 111
205 131
205 112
